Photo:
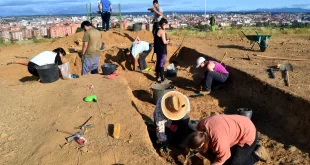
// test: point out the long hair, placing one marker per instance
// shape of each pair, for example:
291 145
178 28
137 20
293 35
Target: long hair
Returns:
60 50
195 140
162 22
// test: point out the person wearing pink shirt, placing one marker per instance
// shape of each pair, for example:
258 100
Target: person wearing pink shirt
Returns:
214 71
232 138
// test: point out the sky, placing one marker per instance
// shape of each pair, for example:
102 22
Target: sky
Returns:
41 7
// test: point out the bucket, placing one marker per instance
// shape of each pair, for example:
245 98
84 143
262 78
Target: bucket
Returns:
137 27
48 73
160 89
108 68
172 73
245 112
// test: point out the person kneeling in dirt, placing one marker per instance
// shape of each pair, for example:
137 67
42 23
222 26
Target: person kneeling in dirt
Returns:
232 138
44 58
214 71
141 48
171 119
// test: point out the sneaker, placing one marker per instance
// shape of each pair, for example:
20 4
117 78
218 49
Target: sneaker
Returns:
261 153
205 92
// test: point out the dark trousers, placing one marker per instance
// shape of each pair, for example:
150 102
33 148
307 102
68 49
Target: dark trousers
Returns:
155 27
142 56
160 64
243 155
210 76
32 69
177 138
105 20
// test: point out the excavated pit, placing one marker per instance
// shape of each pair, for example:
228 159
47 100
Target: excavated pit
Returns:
280 117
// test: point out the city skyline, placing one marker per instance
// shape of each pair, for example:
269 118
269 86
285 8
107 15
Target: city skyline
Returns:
53 7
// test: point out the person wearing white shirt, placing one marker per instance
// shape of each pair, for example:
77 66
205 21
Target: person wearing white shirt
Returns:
44 58
138 52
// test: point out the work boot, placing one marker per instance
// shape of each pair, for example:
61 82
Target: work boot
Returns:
261 153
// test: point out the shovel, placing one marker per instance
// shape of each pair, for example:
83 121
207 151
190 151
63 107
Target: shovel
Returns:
286 67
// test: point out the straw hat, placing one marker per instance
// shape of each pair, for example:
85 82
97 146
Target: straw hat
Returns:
174 105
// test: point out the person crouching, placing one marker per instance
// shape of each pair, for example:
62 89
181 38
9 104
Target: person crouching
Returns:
171 119
214 71
232 138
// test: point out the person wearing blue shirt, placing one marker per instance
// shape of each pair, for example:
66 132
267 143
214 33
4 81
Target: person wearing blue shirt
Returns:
105 8
138 52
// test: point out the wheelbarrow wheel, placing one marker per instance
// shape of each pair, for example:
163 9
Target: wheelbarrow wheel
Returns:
263 46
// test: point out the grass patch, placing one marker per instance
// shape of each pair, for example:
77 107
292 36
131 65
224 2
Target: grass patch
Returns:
229 31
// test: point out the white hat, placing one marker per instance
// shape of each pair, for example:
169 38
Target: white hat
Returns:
199 61
174 105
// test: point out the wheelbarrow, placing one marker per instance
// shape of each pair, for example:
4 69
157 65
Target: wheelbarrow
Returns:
261 40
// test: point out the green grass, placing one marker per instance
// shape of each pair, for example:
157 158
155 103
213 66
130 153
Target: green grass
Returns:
26 42
237 31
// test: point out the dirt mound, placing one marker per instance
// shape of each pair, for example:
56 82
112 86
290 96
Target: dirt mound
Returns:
31 114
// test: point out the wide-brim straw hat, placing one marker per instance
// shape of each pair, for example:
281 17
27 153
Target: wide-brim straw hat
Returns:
174 105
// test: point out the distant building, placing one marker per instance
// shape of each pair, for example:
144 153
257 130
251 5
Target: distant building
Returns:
62 30
16 35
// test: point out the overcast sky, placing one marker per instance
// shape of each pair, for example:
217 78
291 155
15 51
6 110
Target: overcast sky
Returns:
41 7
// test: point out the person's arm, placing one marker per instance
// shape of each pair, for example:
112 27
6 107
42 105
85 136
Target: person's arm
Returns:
58 60
135 63
137 39
86 39
84 48
160 121
110 6
210 66
160 13
163 37
100 6
221 148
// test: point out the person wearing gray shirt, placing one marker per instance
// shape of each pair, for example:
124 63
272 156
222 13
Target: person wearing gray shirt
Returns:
158 14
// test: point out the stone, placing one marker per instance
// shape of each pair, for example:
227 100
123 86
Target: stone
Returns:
291 148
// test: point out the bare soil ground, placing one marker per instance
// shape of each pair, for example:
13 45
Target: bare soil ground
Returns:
32 111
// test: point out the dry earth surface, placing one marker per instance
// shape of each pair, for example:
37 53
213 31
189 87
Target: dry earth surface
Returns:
31 111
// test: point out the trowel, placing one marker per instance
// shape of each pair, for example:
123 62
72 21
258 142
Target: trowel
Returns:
286 67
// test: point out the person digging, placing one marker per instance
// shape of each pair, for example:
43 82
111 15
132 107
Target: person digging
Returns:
232 138
214 71
137 53
43 58
171 120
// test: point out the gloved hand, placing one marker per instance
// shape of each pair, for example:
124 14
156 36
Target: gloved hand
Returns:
163 147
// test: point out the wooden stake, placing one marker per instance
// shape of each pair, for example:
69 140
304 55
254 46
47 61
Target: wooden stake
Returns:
223 57
116 130
279 58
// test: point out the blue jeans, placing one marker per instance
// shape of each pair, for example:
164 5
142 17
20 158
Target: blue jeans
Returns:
105 16
210 76
90 64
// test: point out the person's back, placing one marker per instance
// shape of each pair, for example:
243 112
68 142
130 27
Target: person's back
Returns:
138 48
219 68
93 37
43 58
159 46
230 129
105 5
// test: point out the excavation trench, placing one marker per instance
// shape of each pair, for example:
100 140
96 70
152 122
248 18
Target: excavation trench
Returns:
279 116
282 118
